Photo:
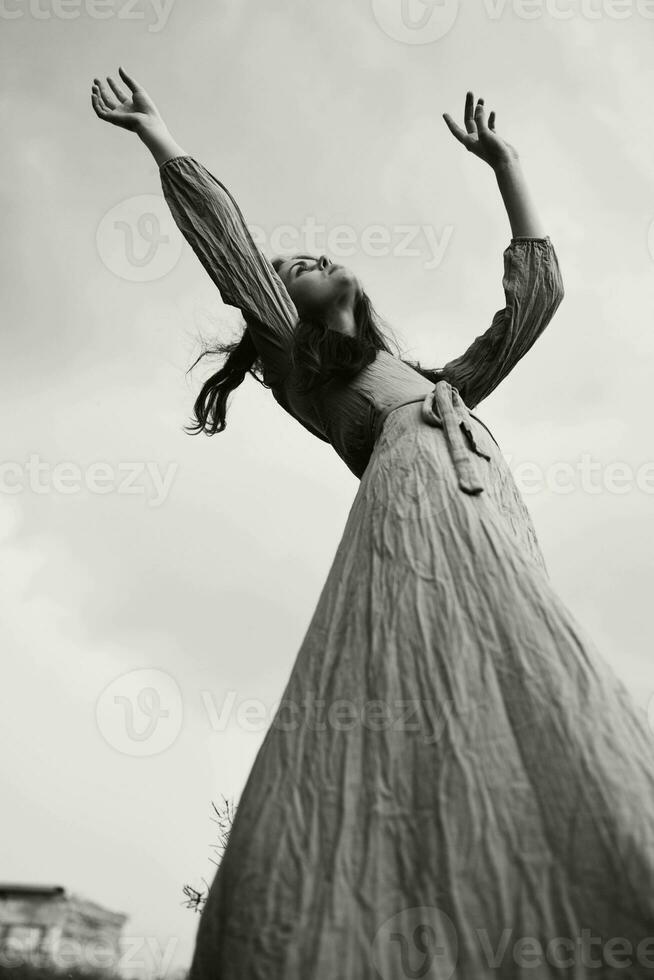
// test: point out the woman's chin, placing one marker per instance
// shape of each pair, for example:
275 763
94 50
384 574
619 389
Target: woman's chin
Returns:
341 272
345 281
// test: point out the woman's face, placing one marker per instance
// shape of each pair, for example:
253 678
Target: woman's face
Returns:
316 284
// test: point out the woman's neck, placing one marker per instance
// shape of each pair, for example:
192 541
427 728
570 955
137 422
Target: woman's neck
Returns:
342 320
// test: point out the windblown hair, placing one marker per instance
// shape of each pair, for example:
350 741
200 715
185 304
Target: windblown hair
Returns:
241 358
319 355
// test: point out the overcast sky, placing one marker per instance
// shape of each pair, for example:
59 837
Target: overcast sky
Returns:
197 562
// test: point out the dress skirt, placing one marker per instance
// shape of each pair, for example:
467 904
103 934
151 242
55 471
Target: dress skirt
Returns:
455 784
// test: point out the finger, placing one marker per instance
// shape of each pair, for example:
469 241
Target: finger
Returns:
456 130
491 122
480 117
129 81
95 92
120 95
97 108
98 94
468 113
106 98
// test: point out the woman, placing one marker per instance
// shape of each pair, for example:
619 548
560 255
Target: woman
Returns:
455 782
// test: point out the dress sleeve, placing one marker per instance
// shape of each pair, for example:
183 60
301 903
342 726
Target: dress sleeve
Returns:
533 289
211 222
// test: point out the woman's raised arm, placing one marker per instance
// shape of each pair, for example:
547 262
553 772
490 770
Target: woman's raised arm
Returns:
481 139
533 290
212 223
532 282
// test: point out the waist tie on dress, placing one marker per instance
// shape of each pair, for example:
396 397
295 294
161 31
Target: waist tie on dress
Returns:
451 416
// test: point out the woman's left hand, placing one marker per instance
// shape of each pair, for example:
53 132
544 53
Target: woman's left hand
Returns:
479 136
135 111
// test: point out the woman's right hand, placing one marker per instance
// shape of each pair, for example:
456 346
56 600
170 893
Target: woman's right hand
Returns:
479 137
136 111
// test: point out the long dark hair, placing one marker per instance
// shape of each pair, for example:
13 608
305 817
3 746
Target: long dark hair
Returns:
319 355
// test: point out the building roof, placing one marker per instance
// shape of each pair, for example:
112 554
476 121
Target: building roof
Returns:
11 889
77 905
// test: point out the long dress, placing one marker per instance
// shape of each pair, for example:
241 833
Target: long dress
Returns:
456 784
